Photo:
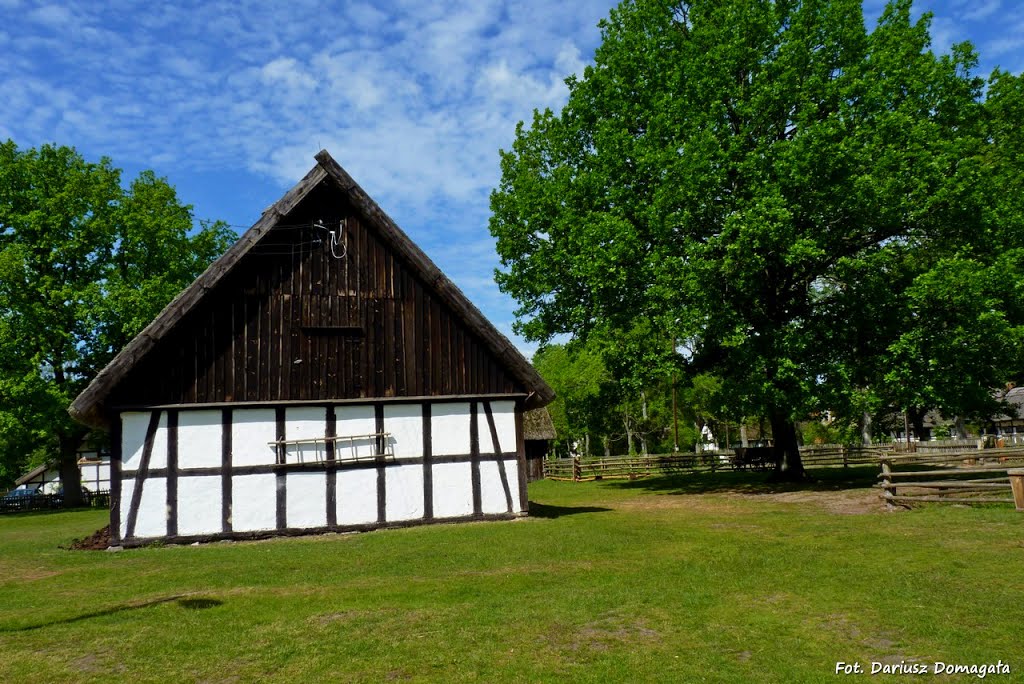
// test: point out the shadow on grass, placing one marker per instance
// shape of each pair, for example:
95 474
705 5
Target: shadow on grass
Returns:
818 479
180 599
539 510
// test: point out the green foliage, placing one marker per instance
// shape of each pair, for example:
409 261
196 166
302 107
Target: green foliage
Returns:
584 392
84 265
806 206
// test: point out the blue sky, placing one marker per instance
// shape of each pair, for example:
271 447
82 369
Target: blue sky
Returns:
231 100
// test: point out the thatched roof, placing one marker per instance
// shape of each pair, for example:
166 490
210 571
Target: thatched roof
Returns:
537 424
89 407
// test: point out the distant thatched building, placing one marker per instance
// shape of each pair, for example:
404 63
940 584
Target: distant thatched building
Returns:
539 432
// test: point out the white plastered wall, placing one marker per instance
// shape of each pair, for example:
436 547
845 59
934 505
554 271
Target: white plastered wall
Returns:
357 496
405 423
253 502
306 499
307 422
151 520
453 489
199 439
199 505
449 429
492 492
504 414
350 421
251 430
404 492
254 496
133 440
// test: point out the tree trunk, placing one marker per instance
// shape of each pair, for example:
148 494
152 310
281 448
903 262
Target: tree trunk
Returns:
629 433
70 475
788 465
916 418
865 429
743 434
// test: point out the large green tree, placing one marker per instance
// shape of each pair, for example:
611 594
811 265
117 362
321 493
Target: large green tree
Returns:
726 173
85 264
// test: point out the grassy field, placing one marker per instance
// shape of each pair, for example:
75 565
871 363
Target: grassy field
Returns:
701 578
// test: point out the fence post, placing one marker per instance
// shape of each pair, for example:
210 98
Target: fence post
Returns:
846 460
576 474
887 487
1017 484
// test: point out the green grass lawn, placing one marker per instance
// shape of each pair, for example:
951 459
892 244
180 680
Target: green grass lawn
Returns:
695 578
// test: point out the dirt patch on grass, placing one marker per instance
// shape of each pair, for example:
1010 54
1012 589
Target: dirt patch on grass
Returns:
97 541
608 632
879 646
840 502
859 501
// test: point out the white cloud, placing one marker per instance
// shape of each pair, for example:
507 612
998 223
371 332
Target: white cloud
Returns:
287 72
980 9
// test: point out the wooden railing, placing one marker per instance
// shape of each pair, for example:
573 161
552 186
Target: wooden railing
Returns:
598 468
966 477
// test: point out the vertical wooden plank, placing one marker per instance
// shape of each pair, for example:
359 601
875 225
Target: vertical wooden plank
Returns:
435 347
230 390
474 450
330 432
252 351
417 338
305 362
378 412
428 468
116 465
172 473
281 478
524 502
225 471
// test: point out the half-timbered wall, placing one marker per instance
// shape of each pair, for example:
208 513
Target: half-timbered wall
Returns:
298 319
235 472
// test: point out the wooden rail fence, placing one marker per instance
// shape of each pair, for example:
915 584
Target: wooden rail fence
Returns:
598 468
965 477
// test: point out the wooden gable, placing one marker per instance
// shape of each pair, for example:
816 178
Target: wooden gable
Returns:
294 314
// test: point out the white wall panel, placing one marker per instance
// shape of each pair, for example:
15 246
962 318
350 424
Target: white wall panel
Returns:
253 502
449 428
504 413
306 500
251 429
404 492
492 494
199 505
306 422
453 489
355 420
512 471
405 423
199 439
133 439
357 496
151 520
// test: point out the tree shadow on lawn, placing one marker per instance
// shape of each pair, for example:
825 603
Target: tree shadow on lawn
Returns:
539 510
746 482
183 600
